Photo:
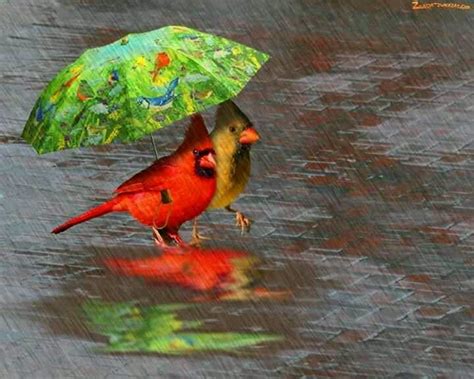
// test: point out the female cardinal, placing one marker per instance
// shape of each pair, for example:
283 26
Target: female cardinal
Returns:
173 190
232 137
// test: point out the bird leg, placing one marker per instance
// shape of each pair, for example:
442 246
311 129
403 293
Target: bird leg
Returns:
159 241
177 238
240 220
197 238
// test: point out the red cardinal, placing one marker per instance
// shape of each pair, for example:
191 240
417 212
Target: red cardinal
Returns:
173 190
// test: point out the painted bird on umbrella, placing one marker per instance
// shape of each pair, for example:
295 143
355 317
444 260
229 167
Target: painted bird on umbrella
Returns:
162 60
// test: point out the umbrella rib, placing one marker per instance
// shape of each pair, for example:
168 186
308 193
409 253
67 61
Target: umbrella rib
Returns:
154 146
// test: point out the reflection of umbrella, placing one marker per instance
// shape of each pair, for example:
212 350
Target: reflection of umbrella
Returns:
159 329
134 86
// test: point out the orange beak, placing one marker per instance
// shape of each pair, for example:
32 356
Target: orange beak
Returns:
249 136
208 161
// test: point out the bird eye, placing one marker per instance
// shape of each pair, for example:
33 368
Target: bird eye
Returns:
232 129
196 152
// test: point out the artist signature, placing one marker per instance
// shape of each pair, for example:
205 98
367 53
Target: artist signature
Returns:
415 5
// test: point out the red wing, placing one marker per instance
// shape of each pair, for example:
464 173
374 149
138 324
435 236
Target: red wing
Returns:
157 177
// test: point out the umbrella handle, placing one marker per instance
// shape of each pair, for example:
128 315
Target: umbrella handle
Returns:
154 146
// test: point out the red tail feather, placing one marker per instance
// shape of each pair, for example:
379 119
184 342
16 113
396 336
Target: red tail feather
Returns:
100 210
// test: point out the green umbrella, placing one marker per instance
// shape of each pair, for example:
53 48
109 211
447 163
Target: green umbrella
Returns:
136 85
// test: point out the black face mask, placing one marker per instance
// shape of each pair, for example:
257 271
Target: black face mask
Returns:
202 171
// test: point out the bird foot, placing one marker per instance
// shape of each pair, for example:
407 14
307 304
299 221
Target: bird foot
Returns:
197 240
197 237
159 241
243 222
177 239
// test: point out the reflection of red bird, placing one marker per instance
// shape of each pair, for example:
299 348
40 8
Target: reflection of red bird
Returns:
162 60
201 270
222 274
173 190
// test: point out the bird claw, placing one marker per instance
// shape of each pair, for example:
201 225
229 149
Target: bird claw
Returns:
197 239
243 222
159 241
176 238
172 237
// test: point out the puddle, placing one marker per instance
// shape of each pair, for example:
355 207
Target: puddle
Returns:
177 302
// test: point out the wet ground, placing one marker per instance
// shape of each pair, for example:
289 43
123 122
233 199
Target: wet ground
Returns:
361 195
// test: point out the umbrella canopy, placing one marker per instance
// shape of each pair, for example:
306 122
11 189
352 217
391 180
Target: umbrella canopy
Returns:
136 85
